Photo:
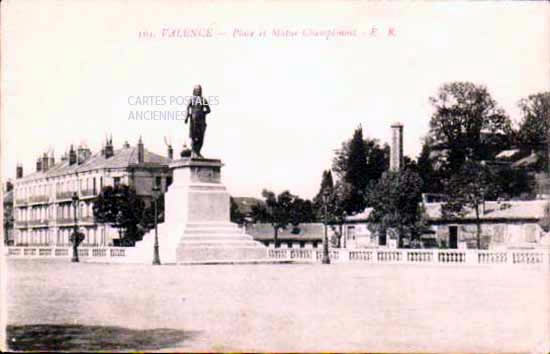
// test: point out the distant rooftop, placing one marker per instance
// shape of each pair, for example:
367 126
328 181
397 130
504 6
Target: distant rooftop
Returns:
124 157
509 210
307 232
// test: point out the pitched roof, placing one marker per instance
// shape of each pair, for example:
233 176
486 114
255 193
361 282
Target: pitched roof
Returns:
308 232
124 157
528 209
507 153
511 210
527 161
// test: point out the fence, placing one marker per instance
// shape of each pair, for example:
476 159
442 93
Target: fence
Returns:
305 255
65 252
379 256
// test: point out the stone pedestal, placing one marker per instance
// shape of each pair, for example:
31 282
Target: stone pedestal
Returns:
197 227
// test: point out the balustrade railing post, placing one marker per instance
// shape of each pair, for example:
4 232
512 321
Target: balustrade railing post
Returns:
472 256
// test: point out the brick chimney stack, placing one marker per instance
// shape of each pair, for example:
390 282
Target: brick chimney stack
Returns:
170 152
396 151
72 156
141 152
19 171
83 154
109 150
52 160
45 161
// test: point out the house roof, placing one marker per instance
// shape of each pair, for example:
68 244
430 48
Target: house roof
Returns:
511 210
507 153
308 232
527 161
122 158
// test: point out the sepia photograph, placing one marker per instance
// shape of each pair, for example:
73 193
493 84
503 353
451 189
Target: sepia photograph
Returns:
275 176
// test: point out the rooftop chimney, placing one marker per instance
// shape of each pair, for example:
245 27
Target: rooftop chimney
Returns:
39 165
83 154
140 151
19 171
72 156
45 162
396 151
126 145
170 152
109 150
52 161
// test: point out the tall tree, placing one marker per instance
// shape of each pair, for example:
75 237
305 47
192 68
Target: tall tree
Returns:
236 215
338 198
358 162
468 191
121 208
426 168
534 130
276 211
463 111
8 221
327 184
395 201
147 222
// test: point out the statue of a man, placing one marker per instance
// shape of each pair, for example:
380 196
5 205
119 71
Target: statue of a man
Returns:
197 109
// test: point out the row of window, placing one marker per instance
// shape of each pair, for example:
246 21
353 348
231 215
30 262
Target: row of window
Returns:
71 185
45 213
92 236
83 184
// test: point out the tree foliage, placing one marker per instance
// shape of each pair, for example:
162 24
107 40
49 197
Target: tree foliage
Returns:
282 210
534 130
121 208
535 123
395 201
337 196
463 111
236 215
8 221
545 221
468 191
358 162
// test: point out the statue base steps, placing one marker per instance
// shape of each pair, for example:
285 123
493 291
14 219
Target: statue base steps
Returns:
197 227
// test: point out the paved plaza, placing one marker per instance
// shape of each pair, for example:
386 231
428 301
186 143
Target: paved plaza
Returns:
341 307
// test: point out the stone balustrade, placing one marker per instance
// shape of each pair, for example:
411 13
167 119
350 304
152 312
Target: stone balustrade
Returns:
38 199
21 201
414 256
303 255
64 195
64 252
88 192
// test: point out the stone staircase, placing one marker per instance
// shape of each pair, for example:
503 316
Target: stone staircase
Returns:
199 243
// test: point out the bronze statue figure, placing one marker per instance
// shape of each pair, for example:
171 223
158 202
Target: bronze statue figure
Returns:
197 109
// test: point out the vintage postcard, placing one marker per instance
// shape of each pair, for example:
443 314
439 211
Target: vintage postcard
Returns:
275 176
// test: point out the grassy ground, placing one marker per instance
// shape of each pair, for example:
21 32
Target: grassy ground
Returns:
56 305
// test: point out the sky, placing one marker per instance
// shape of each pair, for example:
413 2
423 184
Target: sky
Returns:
76 71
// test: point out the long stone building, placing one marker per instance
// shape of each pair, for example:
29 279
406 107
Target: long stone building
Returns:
43 209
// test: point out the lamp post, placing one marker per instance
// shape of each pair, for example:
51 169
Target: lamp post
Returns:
156 256
75 235
326 258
